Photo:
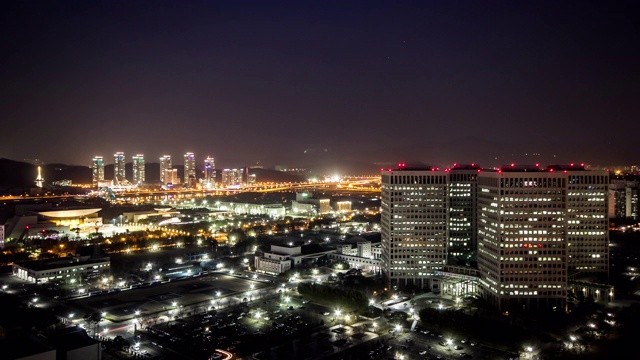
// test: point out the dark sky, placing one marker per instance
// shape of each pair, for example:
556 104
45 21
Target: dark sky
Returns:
349 82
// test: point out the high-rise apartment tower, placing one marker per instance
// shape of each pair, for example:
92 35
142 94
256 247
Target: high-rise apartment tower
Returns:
97 170
138 169
119 171
190 169
165 165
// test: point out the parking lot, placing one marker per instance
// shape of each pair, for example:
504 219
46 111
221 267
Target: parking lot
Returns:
122 305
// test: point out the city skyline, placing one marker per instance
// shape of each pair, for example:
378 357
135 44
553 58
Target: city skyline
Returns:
336 84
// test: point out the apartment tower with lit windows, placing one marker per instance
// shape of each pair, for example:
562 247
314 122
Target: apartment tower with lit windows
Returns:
190 169
165 167
138 169
97 170
538 228
119 171
209 172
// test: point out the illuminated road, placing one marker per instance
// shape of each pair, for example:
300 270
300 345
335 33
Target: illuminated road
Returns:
369 184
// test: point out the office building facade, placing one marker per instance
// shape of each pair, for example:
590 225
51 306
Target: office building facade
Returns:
462 221
537 230
413 226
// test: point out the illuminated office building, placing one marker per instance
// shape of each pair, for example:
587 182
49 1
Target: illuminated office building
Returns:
165 165
190 169
537 230
138 169
119 171
414 226
462 226
97 170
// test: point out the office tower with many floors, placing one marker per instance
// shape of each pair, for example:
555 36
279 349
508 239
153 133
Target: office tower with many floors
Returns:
190 169
119 171
587 223
414 217
97 170
138 169
462 222
624 199
165 166
537 229
209 172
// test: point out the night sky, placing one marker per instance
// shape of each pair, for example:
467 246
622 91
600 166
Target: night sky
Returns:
345 83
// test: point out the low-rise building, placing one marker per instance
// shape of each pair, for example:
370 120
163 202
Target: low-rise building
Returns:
359 253
64 269
282 258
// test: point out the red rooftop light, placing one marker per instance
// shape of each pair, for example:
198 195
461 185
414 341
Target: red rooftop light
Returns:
537 165
512 164
550 170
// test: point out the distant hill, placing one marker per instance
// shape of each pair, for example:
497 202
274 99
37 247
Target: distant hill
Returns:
266 175
21 174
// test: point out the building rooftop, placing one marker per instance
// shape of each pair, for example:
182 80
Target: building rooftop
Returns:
39 265
69 213
23 345
70 338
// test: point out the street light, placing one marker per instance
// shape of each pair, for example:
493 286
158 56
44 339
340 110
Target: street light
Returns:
336 314
528 349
